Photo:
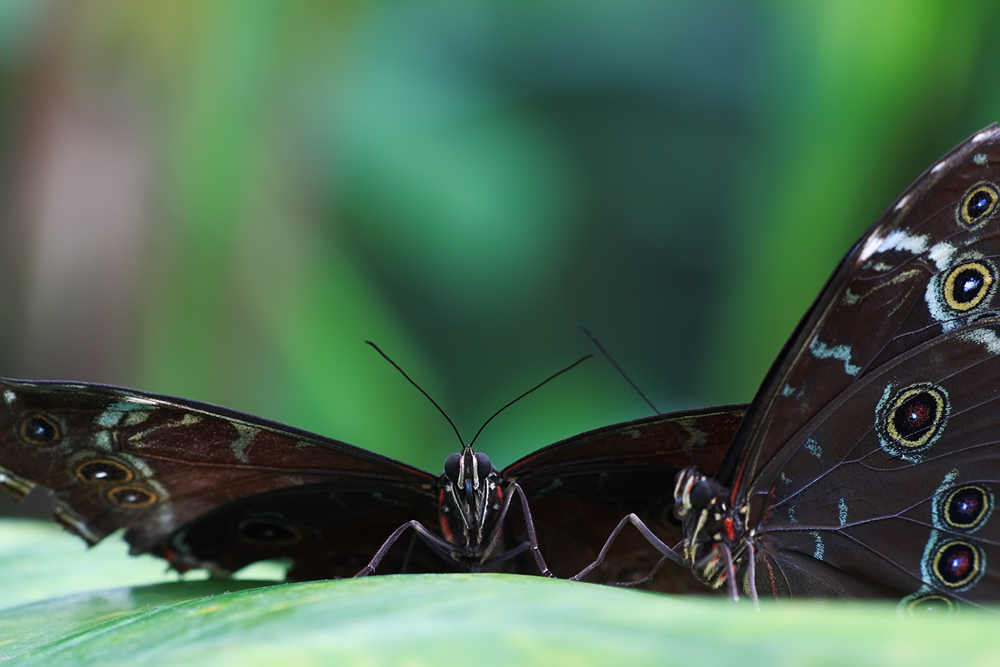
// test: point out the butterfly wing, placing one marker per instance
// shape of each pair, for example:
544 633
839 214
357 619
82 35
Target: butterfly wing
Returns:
922 269
580 488
911 308
897 500
118 458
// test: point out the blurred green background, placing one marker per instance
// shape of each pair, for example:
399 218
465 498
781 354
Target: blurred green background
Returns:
223 199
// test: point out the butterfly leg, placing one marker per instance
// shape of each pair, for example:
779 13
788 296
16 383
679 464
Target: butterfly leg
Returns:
656 542
532 537
752 574
441 547
532 541
727 555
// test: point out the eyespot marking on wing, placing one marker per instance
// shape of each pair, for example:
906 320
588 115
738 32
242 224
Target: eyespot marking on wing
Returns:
925 601
978 205
39 430
103 471
964 508
131 496
957 564
965 289
969 285
910 420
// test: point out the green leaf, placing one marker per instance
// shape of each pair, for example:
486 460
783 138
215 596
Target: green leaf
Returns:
432 620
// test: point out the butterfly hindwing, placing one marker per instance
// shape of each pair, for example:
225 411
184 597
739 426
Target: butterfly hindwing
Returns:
870 506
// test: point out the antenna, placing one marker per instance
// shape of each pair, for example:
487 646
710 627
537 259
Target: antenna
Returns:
608 356
614 363
421 389
537 386
441 410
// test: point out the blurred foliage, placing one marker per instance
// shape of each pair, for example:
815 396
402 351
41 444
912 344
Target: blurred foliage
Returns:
223 199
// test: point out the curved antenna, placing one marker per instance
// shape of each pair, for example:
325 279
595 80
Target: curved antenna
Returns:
614 363
545 381
421 389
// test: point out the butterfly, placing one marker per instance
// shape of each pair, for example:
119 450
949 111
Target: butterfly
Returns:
206 487
868 463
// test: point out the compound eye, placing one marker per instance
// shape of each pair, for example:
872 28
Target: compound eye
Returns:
483 465
451 466
700 495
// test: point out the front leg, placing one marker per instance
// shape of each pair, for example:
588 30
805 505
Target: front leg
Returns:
530 544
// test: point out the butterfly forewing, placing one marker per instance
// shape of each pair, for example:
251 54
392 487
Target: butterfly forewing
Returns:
868 462
203 486
888 295
119 458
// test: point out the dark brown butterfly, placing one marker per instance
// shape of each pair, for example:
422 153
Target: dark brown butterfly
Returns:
868 462
207 487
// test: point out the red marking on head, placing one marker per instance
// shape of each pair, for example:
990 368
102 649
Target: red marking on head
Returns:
443 520
730 529
446 531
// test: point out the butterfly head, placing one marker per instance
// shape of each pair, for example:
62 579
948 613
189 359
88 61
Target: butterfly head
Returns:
709 521
470 499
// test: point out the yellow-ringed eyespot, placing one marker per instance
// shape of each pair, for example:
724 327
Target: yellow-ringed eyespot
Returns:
38 430
131 496
929 604
957 564
912 419
969 284
103 470
964 508
978 205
